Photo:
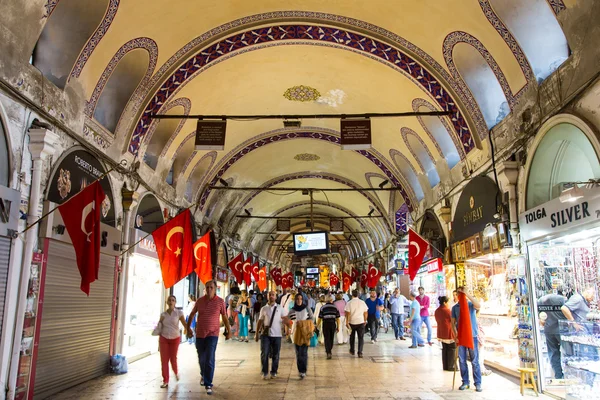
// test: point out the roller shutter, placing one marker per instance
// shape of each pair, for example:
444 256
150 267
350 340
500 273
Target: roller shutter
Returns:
4 257
75 329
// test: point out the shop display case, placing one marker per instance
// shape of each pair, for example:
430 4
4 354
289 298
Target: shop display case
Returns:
580 353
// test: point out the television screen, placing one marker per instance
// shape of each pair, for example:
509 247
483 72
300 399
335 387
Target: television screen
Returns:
311 243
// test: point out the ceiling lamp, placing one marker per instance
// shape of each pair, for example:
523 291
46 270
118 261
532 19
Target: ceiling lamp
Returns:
489 230
571 194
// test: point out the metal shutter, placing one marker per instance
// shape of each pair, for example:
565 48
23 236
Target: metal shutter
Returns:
75 329
4 258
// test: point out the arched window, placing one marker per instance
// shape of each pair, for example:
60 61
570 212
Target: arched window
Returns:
423 156
408 172
200 169
482 82
564 155
441 135
118 90
4 160
535 27
66 32
149 214
165 128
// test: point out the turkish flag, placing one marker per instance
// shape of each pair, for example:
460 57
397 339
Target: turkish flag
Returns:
247 270
287 280
202 257
278 277
346 281
236 268
355 275
254 269
363 278
465 332
333 279
273 274
262 278
81 215
173 242
373 276
417 246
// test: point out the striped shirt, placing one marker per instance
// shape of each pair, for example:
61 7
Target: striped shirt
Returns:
329 312
208 316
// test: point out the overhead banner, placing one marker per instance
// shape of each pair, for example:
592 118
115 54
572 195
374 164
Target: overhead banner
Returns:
356 134
210 135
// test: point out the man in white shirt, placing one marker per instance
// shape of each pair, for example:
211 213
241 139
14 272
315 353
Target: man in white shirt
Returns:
356 319
270 343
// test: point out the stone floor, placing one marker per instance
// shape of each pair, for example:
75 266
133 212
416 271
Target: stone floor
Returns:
389 370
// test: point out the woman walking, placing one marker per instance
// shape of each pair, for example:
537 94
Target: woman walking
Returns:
244 316
319 328
443 317
342 334
234 298
168 342
415 322
303 331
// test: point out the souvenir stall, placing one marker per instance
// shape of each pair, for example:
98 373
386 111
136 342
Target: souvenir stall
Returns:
561 232
481 249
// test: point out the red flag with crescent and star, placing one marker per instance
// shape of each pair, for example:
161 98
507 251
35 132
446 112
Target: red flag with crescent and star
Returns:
236 267
273 274
355 275
374 275
465 331
287 280
202 258
255 269
174 247
262 278
346 282
81 215
364 276
417 247
247 270
278 277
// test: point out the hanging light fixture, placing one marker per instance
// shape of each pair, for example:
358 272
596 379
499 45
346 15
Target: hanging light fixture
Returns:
489 230
571 194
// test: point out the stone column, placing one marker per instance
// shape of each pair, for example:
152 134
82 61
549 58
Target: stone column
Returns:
508 172
41 146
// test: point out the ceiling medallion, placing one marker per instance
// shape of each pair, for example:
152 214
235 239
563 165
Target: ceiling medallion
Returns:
302 93
306 157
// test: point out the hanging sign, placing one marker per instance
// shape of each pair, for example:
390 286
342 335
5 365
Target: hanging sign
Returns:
432 266
356 134
210 135
554 216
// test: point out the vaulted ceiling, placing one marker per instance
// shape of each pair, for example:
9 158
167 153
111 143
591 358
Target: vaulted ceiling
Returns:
133 59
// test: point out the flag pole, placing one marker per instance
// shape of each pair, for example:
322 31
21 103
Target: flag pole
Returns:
454 366
70 198
428 242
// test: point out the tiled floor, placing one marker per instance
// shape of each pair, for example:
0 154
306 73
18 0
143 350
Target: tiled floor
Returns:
401 373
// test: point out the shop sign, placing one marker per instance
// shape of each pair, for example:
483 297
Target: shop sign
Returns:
479 201
221 274
355 134
432 266
555 217
76 171
210 135
9 211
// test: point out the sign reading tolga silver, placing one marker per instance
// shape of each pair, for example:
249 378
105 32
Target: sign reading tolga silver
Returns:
555 217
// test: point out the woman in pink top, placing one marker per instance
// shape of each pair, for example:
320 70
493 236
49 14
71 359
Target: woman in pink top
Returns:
169 339
342 334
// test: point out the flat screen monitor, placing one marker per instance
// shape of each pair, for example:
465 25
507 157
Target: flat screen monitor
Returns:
311 243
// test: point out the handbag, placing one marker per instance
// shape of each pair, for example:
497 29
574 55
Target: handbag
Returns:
157 329
314 340
266 328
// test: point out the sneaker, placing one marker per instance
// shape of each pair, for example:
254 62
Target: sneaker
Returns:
412 347
164 385
360 355
402 338
478 388
329 356
372 341
430 343
201 381
421 345
302 375
375 340
464 386
351 352
486 372
273 376
209 391
265 377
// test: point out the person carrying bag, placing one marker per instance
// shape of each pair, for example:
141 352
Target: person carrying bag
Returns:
270 335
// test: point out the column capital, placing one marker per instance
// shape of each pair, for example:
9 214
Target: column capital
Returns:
130 198
508 172
42 143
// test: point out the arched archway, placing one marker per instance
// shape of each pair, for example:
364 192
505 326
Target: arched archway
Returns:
149 214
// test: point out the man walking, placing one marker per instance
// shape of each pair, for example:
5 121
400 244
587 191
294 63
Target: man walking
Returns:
425 302
356 319
330 316
375 305
473 354
208 307
268 329
549 308
397 301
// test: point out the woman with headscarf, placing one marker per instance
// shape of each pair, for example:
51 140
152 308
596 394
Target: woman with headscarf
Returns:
303 331
443 317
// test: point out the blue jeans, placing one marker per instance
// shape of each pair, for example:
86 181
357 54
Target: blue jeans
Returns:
415 328
302 358
269 347
398 325
462 362
553 344
428 325
206 348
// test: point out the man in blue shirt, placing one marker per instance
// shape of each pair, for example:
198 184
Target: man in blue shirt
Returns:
462 350
397 301
375 305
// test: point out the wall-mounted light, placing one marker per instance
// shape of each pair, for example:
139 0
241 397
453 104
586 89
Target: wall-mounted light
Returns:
247 212
372 210
223 182
489 230
59 229
382 184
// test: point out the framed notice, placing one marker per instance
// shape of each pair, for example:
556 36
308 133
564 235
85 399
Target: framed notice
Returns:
485 244
495 242
355 134
210 135
478 244
473 248
463 250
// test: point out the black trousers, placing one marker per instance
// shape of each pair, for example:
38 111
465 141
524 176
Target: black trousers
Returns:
373 322
328 334
360 331
302 358
448 356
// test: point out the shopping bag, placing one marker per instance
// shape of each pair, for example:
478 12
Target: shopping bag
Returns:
118 364
313 340
157 329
